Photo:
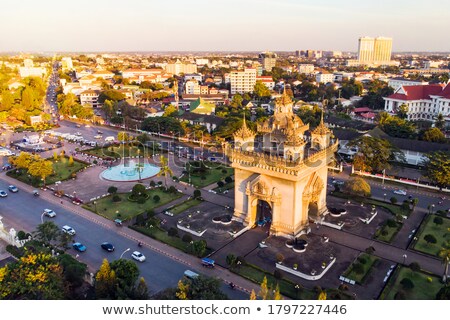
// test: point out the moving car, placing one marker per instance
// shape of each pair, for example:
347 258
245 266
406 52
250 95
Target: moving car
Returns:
49 213
13 189
400 192
3 194
136 255
79 247
107 246
69 230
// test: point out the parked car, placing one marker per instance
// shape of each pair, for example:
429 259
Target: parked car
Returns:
69 230
136 255
107 246
3 194
400 192
49 213
13 189
79 247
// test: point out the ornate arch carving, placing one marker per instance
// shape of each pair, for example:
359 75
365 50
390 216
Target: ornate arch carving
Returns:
313 188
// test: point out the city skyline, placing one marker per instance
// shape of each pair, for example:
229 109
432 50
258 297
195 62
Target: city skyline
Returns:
201 26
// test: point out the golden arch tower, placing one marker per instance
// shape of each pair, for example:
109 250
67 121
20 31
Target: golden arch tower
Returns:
282 166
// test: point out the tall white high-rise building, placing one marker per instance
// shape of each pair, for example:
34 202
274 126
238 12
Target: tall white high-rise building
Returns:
243 81
376 51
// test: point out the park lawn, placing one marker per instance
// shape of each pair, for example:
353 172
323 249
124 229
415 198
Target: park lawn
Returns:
423 288
287 287
227 186
390 232
61 168
128 209
440 232
360 277
119 151
393 208
179 208
213 175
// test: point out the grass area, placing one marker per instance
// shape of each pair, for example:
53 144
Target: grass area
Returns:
202 175
119 151
440 231
426 286
287 287
128 209
227 186
179 208
61 171
393 208
156 232
387 232
360 268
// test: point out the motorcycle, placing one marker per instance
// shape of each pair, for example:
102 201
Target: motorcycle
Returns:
35 193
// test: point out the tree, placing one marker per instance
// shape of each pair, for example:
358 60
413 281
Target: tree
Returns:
170 111
407 284
156 198
414 203
22 161
105 282
197 193
437 168
260 90
47 232
414 266
165 169
277 294
73 270
438 220
123 136
357 186
374 154
141 292
70 161
35 276
264 293
220 184
199 288
253 295
430 239
199 248
112 95
138 190
236 101
402 111
433 135
444 254
112 190
41 169
322 295
440 121
397 127
228 179
393 200
444 293
139 168
231 260
126 273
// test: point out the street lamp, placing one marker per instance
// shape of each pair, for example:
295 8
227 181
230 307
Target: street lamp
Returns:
404 258
384 196
42 217
432 208
124 253
95 204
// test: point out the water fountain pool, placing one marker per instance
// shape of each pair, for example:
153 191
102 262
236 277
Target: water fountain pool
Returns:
127 171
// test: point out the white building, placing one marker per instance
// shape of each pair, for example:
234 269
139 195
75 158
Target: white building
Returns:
267 80
201 61
32 72
179 67
196 76
242 81
305 68
192 87
66 63
322 77
397 83
424 102
90 97
28 63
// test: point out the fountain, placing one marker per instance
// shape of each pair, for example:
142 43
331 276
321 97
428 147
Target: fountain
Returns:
128 171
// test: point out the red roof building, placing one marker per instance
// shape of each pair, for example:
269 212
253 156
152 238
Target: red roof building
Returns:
424 102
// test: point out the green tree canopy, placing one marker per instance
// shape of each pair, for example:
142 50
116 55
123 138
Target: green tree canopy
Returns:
437 168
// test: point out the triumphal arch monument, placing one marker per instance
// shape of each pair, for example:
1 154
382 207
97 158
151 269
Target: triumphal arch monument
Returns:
281 171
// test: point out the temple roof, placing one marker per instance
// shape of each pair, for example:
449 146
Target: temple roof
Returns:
321 129
244 132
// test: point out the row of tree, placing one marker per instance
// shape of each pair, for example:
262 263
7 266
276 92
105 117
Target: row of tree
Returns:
34 165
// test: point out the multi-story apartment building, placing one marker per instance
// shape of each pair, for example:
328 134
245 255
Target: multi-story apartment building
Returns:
267 60
179 67
242 81
192 87
424 102
90 97
305 68
375 51
324 77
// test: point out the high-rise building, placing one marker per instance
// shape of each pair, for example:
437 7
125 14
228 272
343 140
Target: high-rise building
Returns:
268 60
242 81
375 51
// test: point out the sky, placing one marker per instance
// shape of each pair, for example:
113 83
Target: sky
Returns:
229 25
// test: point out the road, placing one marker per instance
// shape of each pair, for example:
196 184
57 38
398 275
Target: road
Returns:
22 211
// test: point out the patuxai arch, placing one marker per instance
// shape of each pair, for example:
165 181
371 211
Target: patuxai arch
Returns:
282 167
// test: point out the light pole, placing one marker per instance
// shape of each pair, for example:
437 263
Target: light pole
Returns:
42 217
404 258
124 253
95 204
384 197
432 208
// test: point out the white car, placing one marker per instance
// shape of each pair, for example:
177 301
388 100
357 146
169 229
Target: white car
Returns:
136 255
400 192
49 213
98 136
68 230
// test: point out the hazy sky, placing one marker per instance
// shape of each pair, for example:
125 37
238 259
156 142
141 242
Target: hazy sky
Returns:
209 25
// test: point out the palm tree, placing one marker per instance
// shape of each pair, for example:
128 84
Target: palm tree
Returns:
165 169
139 167
444 254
